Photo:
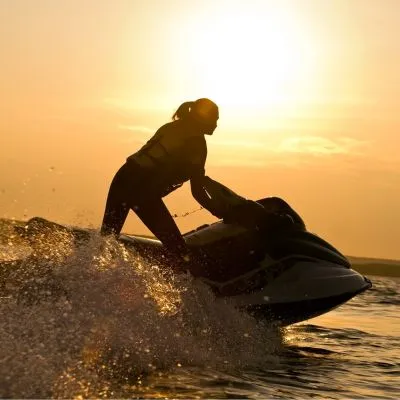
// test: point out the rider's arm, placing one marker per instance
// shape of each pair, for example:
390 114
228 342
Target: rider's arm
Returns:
198 154
201 196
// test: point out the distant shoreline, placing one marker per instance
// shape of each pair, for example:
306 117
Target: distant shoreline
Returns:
392 270
375 266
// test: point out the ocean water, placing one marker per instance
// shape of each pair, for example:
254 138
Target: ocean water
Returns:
99 322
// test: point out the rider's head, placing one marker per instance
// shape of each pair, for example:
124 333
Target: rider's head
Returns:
202 114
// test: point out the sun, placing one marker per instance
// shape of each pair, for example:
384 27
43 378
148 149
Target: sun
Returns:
250 56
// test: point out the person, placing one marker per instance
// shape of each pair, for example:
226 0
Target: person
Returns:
175 154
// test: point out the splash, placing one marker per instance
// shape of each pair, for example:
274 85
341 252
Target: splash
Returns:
91 321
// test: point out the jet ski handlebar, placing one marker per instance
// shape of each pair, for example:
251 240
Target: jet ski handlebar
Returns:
254 215
270 212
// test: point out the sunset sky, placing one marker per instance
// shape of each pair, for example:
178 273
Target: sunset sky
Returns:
308 93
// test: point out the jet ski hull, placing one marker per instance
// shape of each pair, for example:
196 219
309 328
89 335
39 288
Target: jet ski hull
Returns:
289 278
297 311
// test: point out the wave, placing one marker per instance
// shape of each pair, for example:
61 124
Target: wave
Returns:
78 319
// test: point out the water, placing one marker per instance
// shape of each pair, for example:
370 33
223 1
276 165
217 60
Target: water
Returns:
108 324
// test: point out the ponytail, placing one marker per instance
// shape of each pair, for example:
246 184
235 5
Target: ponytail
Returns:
183 110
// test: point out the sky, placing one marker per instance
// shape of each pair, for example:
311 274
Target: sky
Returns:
307 90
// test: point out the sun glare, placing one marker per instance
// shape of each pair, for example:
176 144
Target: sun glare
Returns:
251 57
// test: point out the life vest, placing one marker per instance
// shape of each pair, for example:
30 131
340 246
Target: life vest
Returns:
171 157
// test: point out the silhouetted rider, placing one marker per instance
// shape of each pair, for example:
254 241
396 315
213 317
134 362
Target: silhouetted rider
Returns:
175 154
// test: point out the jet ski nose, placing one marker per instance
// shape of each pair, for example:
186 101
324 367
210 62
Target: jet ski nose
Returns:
368 282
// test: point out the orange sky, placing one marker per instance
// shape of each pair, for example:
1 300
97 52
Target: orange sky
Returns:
308 94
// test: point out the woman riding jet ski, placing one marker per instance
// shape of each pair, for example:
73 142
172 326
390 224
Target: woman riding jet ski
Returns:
260 256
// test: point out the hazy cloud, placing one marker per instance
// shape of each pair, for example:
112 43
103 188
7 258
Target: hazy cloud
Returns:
239 143
321 145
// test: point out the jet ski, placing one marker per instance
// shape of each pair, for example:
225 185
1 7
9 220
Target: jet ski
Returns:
263 258
260 256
